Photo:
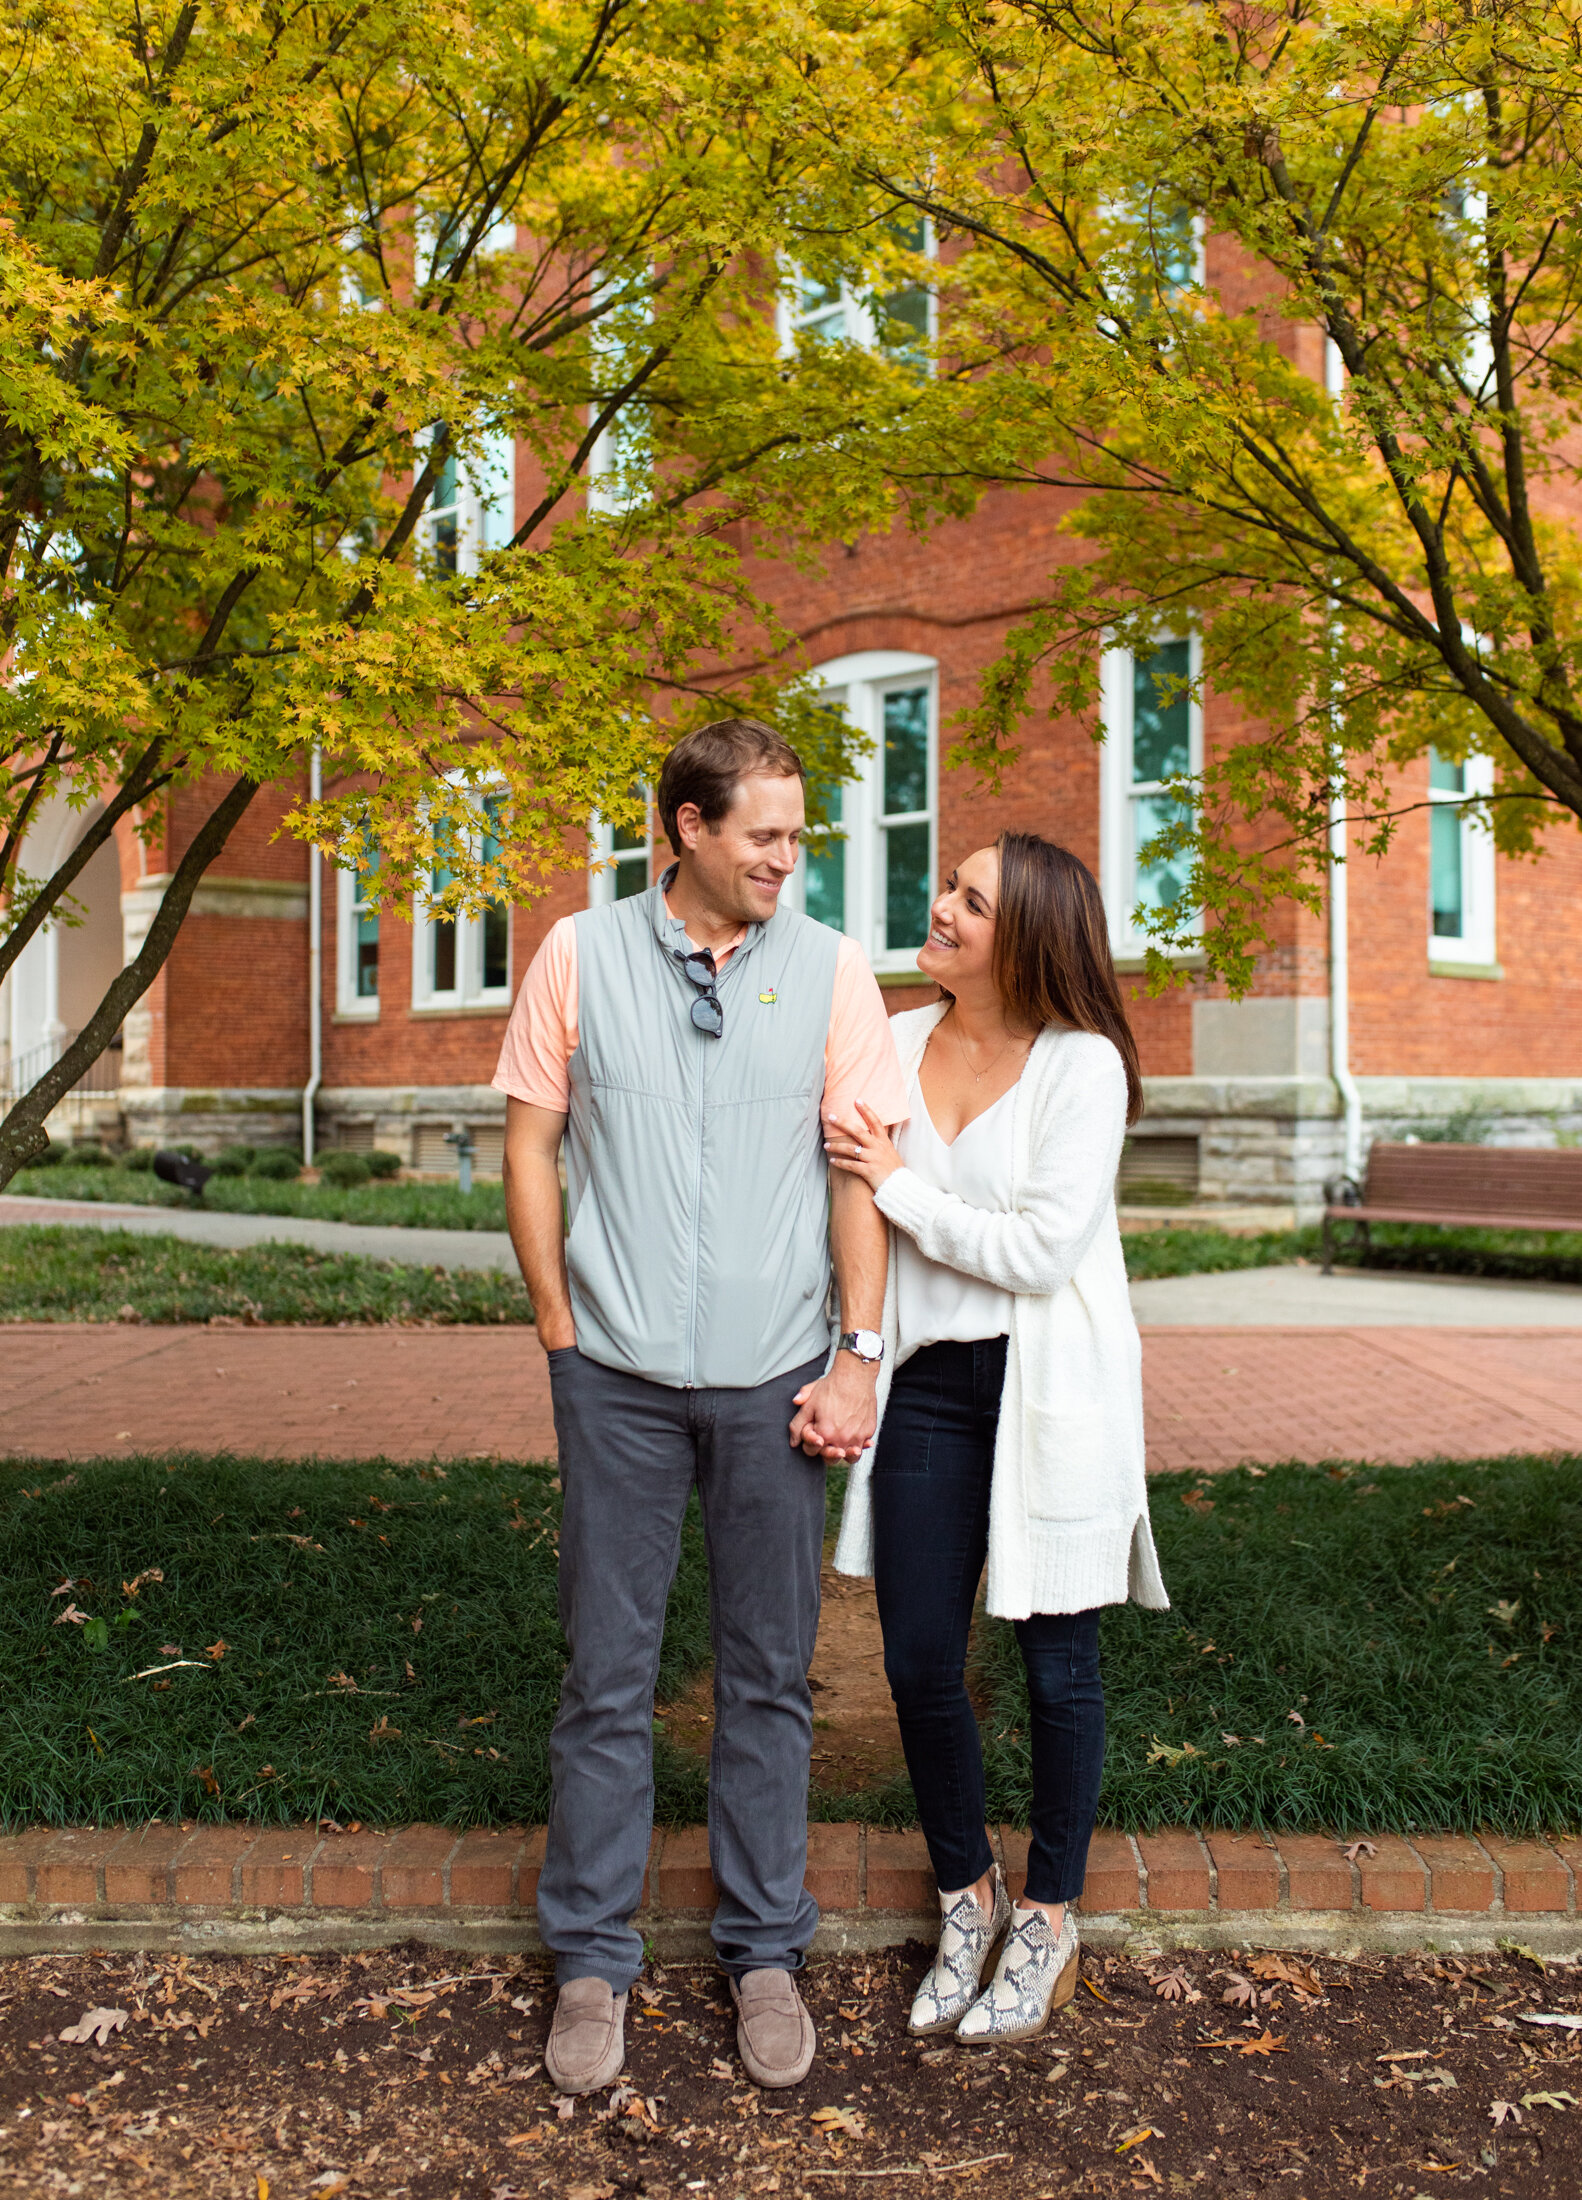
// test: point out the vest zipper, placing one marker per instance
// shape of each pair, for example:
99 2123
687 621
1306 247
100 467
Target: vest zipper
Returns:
701 1049
697 1226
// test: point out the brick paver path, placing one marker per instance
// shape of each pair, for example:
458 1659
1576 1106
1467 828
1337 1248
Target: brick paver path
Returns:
1214 1396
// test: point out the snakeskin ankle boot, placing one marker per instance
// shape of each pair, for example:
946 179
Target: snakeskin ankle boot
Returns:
1036 1974
967 1939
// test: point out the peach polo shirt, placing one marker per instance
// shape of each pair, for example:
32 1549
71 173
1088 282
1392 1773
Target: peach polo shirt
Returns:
860 1060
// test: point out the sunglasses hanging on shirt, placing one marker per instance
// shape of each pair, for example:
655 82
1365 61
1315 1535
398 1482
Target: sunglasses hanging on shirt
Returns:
707 1014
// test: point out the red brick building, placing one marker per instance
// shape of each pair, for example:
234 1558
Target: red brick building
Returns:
1462 978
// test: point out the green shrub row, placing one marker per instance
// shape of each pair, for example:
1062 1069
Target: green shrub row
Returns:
269 1164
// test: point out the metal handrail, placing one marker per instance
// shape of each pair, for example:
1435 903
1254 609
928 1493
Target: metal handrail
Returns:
19 1073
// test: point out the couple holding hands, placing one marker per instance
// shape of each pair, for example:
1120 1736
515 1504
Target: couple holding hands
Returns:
738 1116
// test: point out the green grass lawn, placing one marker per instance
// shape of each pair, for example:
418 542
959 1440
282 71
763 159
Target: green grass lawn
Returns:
368 1641
379 1642
400 1206
54 1272
1421 1622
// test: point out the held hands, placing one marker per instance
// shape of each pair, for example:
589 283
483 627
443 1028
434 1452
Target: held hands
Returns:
863 1149
838 1414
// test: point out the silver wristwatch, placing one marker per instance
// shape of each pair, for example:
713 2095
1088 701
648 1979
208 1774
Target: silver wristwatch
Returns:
866 1343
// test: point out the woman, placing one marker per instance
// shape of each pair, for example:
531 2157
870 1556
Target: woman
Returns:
1013 1423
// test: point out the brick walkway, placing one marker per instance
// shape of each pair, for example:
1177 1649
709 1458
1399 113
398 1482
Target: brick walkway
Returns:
297 1886
1214 1396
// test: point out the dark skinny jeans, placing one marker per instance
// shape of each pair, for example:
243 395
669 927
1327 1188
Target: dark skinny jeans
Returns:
931 1475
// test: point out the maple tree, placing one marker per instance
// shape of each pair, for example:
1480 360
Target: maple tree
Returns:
1287 294
279 286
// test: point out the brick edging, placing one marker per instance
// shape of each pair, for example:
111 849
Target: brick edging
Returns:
173 1874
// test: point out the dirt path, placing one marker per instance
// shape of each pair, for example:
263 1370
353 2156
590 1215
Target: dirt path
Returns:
304 2078
855 1740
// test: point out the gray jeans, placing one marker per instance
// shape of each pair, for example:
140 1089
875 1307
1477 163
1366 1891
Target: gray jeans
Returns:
630 1452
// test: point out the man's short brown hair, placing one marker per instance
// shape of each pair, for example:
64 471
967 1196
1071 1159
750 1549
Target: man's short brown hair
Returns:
707 766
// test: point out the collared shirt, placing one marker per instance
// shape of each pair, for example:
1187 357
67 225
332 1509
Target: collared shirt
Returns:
541 1037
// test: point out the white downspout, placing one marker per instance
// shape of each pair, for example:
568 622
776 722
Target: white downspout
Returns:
315 966
1340 984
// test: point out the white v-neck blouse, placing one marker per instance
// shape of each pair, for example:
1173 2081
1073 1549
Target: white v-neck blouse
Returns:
934 1302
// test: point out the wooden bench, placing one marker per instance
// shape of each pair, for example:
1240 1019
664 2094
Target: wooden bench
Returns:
1460 1187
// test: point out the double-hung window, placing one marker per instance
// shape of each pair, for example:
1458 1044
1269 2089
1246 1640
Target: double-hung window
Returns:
623 862
900 323
472 506
1153 736
876 880
463 961
357 935
1460 863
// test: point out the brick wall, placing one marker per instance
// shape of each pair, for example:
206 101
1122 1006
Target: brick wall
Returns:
231 1006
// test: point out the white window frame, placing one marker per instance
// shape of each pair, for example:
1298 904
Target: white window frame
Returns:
349 1003
605 858
1118 793
858 323
1476 944
860 683
485 505
469 990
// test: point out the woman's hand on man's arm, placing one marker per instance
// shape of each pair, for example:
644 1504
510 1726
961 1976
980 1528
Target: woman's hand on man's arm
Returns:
862 1148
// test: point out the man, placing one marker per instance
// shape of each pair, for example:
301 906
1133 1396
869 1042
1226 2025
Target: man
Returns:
684 1041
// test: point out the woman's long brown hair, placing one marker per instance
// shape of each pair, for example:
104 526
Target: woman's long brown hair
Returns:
1052 960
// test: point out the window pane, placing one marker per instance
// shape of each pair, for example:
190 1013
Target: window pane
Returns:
1446 890
814 296
1445 777
1161 884
627 836
824 888
496 945
631 877
906 753
365 923
367 950
908 886
1175 248
442 504
902 324
442 936
1161 728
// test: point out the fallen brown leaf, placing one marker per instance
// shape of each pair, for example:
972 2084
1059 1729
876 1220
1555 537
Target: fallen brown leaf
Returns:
96 2027
1173 1986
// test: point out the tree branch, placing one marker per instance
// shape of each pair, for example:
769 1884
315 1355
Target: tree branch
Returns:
144 779
22 1134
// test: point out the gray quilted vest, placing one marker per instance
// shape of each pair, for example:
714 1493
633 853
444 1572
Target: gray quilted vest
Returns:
698 1190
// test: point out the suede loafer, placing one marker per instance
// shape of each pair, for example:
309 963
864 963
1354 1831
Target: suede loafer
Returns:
774 2033
587 2041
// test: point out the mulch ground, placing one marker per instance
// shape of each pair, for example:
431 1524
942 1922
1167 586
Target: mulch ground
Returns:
272 2078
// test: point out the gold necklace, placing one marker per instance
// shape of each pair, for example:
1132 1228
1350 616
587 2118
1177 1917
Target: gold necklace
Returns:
978 1075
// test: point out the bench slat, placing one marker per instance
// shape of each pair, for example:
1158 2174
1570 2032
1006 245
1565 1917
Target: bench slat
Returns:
1509 1186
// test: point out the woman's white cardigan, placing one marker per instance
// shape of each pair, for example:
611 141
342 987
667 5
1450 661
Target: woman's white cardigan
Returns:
1068 1510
